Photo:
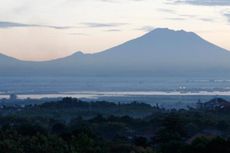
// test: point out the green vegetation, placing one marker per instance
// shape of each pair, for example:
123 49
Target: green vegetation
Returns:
73 126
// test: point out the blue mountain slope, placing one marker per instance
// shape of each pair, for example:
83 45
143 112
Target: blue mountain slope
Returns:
160 52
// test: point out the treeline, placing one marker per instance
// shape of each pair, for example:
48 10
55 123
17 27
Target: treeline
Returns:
103 135
163 131
68 108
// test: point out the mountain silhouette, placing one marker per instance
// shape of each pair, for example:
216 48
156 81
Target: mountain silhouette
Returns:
161 52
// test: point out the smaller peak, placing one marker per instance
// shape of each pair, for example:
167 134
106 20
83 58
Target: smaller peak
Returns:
78 53
72 56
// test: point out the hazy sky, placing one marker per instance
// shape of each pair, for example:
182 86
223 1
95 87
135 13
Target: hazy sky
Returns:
47 29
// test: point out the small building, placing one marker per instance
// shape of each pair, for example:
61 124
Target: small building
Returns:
214 104
13 97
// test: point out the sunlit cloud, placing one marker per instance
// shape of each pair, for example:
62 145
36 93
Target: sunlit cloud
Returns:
146 28
113 30
6 24
78 34
102 25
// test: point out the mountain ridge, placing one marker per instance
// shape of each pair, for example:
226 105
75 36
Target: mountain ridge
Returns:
159 52
81 53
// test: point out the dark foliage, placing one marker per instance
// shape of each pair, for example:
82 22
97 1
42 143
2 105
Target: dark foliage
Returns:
165 131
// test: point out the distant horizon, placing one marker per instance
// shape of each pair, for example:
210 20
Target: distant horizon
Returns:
42 30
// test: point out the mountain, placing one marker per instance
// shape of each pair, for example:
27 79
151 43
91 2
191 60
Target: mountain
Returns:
6 59
161 52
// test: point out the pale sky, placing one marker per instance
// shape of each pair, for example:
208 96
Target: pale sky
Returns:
48 29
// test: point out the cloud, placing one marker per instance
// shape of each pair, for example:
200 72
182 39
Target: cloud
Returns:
102 25
207 19
113 30
228 16
146 28
205 2
188 15
176 18
111 1
6 24
116 1
166 10
78 34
